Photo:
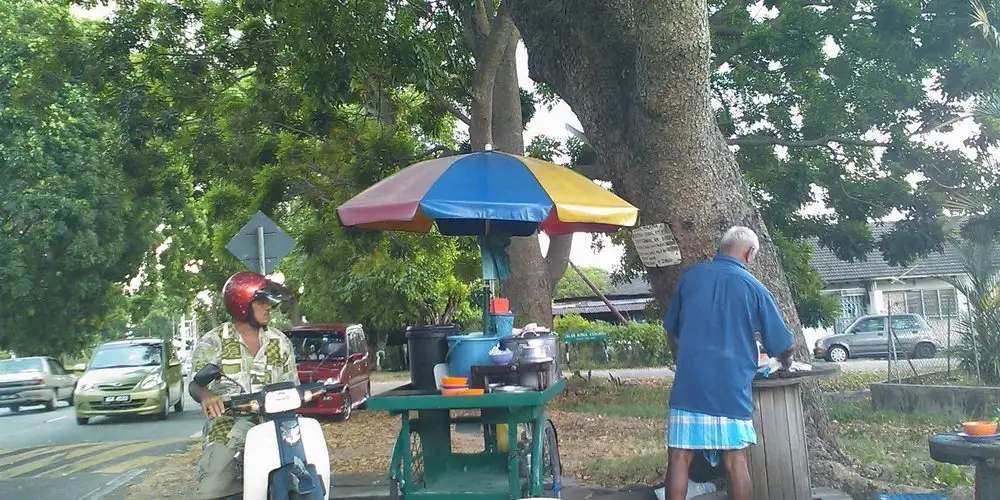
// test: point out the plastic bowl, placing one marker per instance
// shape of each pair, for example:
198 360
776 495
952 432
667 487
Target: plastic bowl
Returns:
502 358
455 381
980 428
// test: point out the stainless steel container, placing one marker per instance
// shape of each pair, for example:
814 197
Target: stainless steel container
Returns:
550 341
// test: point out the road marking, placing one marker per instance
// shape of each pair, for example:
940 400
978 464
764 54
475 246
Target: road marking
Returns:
94 448
55 419
100 458
128 465
112 485
22 455
31 466
195 435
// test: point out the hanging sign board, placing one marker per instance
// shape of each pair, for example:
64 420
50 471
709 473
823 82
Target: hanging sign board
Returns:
656 246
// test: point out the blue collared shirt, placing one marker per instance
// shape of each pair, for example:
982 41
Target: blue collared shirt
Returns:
714 312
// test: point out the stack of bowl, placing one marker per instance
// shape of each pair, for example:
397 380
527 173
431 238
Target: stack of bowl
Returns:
454 386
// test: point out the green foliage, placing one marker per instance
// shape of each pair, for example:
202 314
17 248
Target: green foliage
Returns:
80 199
572 285
629 345
281 126
979 348
814 308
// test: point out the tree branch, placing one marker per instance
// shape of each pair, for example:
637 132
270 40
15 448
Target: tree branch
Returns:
745 42
450 107
492 55
761 140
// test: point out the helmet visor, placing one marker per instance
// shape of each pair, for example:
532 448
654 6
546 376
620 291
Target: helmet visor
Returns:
267 295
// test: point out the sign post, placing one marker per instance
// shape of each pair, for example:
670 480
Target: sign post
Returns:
260 244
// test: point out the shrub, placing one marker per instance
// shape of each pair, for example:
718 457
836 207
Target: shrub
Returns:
979 349
628 345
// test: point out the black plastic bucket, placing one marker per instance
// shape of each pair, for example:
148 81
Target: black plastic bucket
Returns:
427 346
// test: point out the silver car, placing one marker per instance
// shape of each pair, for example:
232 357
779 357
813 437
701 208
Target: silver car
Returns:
869 336
34 381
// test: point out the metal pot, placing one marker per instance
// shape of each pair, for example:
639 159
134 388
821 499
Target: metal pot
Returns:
550 341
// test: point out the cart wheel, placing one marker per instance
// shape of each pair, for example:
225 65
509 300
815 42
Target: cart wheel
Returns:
416 467
551 464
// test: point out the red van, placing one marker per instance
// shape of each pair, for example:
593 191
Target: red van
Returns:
337 352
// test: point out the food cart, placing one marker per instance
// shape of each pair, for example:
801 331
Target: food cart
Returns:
493 196
423 464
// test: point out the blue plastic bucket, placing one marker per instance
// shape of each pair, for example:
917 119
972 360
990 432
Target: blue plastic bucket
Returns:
502 324
467 350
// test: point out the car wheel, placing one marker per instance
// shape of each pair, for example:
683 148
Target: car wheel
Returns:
50 405
165 411
179 407
837 354
924 350
368 394
82 420
345 410
71 395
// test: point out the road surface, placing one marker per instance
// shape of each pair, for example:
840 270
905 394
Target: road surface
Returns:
46 455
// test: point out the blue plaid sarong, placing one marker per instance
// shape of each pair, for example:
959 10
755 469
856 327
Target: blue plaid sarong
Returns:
697 431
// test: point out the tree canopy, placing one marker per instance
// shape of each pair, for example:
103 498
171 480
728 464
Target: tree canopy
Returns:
81 200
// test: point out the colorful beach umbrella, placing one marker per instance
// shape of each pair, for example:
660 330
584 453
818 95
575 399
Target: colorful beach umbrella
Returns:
488 192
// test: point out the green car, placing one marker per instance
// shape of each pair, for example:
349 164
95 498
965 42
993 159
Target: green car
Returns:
130 377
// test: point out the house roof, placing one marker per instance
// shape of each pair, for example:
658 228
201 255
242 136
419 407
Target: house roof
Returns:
584 306
833 270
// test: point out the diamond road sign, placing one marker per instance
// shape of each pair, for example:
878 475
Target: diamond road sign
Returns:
245 245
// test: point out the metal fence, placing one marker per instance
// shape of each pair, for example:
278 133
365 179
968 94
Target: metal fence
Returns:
944 366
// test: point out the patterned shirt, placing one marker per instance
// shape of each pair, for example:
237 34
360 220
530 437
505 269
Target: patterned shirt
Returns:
223 345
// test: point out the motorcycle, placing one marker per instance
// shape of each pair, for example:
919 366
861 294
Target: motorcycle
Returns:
286 456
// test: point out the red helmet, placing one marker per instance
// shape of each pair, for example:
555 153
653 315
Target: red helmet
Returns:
242 289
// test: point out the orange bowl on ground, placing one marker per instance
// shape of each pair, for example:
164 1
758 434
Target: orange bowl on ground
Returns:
980 428
452 392
472 391
464 381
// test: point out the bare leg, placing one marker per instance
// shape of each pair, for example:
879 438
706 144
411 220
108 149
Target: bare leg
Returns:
678 464
737 474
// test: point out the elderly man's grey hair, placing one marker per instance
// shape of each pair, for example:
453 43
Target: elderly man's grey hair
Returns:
738 237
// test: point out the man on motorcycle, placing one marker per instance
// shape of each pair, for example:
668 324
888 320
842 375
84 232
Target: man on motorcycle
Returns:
250 355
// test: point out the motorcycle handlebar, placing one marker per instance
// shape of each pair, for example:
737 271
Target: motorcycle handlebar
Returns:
254 402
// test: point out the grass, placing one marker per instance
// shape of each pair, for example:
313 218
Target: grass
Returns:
891 447
601 397
850 381
390 376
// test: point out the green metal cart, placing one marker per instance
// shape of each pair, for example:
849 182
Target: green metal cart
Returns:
423 465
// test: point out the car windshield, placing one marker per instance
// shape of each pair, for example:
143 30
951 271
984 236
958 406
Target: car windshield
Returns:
120 356
20 365
318 345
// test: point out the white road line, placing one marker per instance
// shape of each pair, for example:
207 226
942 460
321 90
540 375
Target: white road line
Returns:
195 435
55 419
112 485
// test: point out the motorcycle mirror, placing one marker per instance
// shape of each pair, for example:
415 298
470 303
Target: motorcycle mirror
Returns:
207 374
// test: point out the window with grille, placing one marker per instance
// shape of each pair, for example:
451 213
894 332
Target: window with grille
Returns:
939 303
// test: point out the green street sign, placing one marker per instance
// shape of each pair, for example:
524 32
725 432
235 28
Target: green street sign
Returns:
583 337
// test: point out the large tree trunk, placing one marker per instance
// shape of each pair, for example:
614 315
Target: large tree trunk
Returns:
637 76
496 120
528 286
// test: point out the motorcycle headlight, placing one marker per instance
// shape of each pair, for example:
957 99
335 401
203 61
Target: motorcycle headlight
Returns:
152 380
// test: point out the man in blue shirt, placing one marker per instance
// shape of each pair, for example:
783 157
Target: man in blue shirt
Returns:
711 323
